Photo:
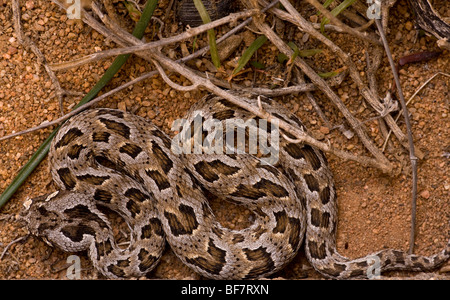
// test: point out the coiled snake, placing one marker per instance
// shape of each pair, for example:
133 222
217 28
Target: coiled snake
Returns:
105 159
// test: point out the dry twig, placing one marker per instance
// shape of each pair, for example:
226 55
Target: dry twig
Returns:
295 18
28 43
412 155
5 250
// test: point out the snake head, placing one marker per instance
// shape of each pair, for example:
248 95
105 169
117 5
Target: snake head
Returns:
37 217
67 220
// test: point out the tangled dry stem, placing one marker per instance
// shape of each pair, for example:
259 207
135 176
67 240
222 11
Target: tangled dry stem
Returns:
124 39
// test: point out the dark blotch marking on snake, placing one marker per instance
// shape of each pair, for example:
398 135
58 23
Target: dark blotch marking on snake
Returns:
165 139
67 178
76 232
295 236
248 192
154 226
312 182
75 150
324 195
316 250
160 180
117 127
113 112
306 152
164 161
146 260
212 265
136 195
83 212
93 179
183 223
262 260
276 189
224 114
320 219
68 137
102 196
101 136
210 170
131 150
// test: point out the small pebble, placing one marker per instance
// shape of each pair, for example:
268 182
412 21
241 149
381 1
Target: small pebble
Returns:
425 194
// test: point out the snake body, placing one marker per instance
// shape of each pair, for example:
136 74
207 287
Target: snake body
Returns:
109 160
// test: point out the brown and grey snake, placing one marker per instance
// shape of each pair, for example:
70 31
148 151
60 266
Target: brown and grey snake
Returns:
109 160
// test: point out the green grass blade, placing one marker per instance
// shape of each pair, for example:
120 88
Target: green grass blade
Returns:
325 5
328 74
134 13
309 52
40 154
257 65
295 49
336 11
211 33
302 53
248 53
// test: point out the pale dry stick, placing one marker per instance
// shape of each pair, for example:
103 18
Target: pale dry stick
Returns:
352 16
295 89
170 82
409 100
316 79
313 102
295 18
81 108
319 111
372 68
152 45
412 155
10 244
169 8
28 43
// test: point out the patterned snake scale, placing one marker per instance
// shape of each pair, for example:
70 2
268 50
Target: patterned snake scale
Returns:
109 160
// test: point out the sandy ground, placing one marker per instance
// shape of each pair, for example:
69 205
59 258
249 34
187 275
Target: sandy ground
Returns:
374 209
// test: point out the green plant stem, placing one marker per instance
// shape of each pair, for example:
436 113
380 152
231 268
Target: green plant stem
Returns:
248 53
120 60
211 33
